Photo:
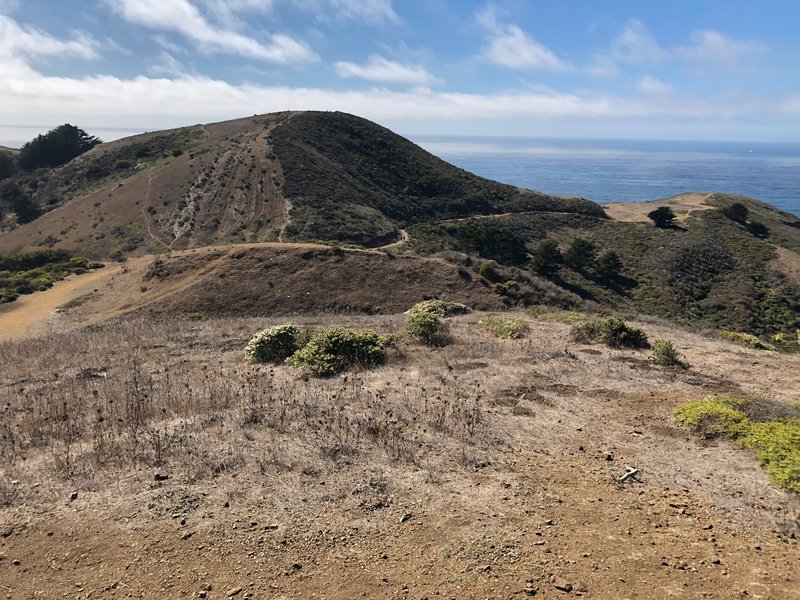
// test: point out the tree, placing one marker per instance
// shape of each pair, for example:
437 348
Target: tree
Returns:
504 246
663 217
17 199
580 254
736 212
608 265
7 165
546 258
56 147
758 229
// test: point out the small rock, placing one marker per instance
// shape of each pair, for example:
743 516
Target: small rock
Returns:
160 477
562 584
234 591
202 594
73 496
406 517
15 562
582 587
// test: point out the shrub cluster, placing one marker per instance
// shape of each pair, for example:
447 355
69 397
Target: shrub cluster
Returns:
747 339
37 271
426 321
324 352
772 434
613 332
665 354
504 326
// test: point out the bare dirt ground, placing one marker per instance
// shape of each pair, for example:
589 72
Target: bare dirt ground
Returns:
636 212
33 313
485 469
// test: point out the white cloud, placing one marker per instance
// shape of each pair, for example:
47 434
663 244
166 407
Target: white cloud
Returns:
167 65
650 85
511 47
714 47
16 41
183 17
378 68
637 45
368 10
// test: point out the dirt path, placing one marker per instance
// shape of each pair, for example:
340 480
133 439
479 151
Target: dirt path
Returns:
636 212
32 313
404 237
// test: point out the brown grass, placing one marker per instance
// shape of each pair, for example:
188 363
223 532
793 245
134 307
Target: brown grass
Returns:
482 442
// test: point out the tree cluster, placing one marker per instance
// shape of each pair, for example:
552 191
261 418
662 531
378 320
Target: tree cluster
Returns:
56 147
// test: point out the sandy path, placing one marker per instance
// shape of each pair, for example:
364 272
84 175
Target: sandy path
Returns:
636 212
32 312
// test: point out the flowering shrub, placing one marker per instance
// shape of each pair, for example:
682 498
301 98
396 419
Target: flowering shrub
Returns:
427 327
438 307
333 349
505 327
275 344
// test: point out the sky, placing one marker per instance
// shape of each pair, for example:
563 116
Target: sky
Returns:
625 69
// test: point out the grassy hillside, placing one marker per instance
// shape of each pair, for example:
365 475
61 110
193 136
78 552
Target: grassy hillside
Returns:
353 181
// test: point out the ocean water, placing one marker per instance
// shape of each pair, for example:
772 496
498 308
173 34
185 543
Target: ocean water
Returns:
629 170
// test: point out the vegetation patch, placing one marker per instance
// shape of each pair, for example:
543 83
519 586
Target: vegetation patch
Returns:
746 339
76 302
505 327
275 344
428 327
613 332
441 308
332 350
666 355
36 271
771 430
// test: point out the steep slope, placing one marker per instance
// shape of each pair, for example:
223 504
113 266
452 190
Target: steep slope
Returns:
345 179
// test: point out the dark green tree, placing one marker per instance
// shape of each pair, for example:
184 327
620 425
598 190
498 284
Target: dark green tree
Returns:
580 254
546 258
56 147
493 243
663 217
16 199
608 265
7 165
758 229
736 212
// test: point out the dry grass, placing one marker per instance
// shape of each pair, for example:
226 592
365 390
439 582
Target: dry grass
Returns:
83 409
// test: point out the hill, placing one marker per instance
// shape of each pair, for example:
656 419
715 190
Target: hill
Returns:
289 176
337 178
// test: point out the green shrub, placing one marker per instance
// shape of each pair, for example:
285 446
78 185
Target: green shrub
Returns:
769 429
506 288
331 350
275 344
613 332
665 354
746 339
441 308
428 327
505 327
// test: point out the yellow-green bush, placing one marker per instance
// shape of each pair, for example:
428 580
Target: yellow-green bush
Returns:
428 327
746 339
613 332
771 430
333 349
665 354
275 344
504 326
438 307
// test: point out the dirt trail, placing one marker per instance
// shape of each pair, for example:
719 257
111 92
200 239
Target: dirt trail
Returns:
636 212
32 313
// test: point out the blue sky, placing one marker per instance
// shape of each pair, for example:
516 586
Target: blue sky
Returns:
669 69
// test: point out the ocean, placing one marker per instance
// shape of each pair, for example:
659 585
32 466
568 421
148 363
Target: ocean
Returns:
629 170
